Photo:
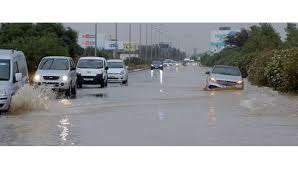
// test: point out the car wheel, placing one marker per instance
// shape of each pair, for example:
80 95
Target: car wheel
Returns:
68 92
80 85
102 84
74 91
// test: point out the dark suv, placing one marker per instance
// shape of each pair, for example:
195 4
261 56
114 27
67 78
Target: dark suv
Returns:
156 64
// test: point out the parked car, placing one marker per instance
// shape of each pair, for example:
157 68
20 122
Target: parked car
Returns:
13 74
92 70
156 64
57 73
222 76
117 71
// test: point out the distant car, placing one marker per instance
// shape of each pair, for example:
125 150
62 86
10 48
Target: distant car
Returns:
168 62
92 70
117 71
156 64
13 74
57 73
184 63
222 76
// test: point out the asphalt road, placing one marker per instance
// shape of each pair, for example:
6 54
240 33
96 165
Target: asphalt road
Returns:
159 108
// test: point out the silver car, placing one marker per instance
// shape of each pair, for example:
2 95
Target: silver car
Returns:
224 77
13 75
57 73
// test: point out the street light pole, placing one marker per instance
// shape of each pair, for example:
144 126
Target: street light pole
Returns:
95 45
116 35
129 50
140 42
146 43
151 47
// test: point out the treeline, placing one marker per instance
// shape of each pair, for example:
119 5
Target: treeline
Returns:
261 55
38 40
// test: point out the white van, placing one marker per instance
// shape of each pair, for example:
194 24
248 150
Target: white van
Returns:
13 74
92 70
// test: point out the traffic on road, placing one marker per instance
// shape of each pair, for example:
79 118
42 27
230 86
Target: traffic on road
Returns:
158 106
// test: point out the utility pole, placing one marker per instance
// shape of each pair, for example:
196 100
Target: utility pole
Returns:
116 35
140 42
129 50
151 47
95 45
146 56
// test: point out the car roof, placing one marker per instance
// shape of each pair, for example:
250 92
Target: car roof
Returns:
92 57
57 57
225 66
8 53
115 60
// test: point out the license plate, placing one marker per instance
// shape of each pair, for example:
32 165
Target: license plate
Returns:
88 79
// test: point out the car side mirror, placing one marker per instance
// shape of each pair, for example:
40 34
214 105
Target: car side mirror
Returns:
207 73
18 77
107 68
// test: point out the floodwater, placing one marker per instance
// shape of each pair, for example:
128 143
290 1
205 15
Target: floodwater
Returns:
156 107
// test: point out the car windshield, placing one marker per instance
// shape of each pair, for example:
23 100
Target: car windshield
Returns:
54 64
155 62
226 71
4 69
115 64
90 64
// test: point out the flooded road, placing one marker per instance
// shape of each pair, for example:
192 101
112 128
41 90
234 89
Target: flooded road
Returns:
159 108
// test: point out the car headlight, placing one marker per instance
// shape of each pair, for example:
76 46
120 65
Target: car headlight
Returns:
64 78
36 78
122 72
152 65
3 93
160 65
212 79
239 81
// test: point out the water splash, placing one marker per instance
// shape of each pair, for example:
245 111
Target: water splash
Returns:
29 98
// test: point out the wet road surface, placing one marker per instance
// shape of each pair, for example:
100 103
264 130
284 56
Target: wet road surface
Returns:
159 108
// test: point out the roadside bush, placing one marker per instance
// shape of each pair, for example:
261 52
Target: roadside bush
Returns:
256 71
282 71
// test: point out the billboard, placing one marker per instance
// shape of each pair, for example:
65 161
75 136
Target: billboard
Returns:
217 39
132 47
88 40
112 45
124 56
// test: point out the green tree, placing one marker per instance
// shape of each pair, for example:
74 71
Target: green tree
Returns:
292 35
262 37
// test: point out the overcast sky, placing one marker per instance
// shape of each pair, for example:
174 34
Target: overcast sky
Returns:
187 36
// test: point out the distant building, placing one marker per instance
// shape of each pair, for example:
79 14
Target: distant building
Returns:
217 38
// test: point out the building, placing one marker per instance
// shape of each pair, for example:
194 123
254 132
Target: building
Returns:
217 38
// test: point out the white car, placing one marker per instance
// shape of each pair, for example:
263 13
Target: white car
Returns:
57 73
92 70
224 77
117 71
13 74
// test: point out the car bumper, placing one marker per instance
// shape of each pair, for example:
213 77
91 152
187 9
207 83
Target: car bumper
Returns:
89 79
215 86
4 103
153 67
116 77
52 85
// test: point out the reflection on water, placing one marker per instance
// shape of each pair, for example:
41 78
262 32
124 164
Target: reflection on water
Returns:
64 125
177 69
151 72
160 76
65 102
211 109
161 115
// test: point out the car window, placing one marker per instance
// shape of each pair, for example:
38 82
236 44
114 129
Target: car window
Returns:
115 64
54 64
4 69
226 71
90 64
